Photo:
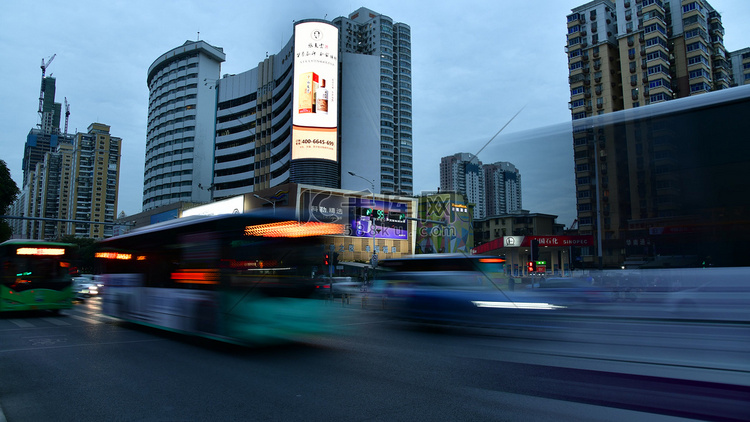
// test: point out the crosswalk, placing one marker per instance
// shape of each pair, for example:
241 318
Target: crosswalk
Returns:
86 313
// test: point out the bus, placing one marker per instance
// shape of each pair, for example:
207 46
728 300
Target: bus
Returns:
36 275
241 278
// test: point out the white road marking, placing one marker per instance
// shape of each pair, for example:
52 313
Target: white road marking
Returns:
55 321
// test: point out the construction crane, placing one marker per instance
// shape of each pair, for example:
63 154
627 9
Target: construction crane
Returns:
44 72
67 114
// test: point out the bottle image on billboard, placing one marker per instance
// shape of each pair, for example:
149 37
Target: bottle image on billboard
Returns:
308 86
321 98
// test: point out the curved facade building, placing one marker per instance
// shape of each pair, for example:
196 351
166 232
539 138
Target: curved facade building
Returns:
253 127
257 110
180 132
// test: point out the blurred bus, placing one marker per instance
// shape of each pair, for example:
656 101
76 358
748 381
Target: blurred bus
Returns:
36 275
241 278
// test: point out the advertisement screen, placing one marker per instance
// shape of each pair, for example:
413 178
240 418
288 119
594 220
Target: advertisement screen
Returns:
315 95
381 219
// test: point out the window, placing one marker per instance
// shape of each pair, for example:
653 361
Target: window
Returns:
698 73
658 98
656 41
576 103
696 46
576 65
657 83
697 59
690 7
576 91
702 86
573 29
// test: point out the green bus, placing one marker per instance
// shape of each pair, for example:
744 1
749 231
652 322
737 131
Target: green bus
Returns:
240 278
36 275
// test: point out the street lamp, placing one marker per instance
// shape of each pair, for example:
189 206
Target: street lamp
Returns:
267 200
372 192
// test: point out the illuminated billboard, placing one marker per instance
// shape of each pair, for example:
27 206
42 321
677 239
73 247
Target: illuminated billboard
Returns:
234 205
315 95
380 219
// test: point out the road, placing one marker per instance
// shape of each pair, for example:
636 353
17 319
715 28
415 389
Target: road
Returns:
85 366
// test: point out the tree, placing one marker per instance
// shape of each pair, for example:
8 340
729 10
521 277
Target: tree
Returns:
86 251
8 194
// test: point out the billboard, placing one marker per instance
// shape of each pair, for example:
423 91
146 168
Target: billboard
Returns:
380 219
315 93
235 205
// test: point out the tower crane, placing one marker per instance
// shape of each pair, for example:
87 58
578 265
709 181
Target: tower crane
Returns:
44 72
67 114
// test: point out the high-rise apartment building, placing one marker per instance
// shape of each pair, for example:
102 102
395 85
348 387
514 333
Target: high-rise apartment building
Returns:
463 173
77 181
492 189
740 64
95 174
180 132
376 102
503 188
622 55
629 53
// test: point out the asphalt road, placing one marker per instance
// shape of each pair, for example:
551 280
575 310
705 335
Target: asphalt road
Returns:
85 366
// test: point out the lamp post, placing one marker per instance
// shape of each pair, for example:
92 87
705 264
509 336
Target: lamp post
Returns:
373 259
267 200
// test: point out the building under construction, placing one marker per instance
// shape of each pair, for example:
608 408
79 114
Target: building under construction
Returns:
68 179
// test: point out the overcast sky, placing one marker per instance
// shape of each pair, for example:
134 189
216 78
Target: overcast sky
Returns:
474 65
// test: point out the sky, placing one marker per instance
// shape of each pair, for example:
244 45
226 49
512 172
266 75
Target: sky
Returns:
475 64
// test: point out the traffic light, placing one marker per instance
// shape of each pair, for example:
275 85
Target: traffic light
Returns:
335 259
531 266
327 260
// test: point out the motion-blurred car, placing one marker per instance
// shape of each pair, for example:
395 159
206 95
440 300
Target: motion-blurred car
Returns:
86 286
571 290
338 286
454 289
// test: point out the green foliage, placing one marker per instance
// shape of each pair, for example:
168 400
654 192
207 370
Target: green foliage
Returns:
8 193
86 250
8 188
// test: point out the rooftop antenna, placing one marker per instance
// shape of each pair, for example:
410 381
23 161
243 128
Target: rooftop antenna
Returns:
199 35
